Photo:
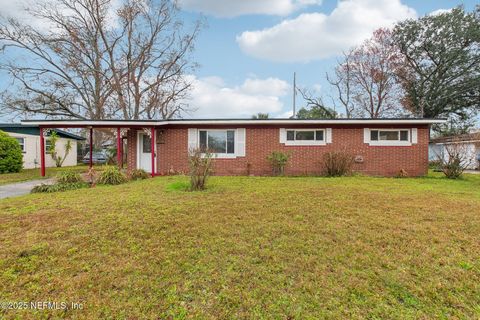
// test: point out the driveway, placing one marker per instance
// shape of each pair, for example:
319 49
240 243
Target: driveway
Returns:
21 188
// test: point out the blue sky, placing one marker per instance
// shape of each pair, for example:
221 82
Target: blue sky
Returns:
220 53
250 48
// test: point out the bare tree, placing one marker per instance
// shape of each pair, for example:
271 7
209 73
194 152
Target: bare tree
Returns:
366 81
92 61
456 157
342 81
315 108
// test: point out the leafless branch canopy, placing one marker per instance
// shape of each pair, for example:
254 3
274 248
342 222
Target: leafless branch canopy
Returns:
94 59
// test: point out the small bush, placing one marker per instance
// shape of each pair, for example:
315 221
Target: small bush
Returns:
139 174
10 154
69 177
278 160
112 176
337 164
49 188
455 159
200 164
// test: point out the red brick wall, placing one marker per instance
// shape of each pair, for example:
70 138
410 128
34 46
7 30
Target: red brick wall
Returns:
172 155
131 149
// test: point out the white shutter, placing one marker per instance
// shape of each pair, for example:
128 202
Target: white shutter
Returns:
283 135
192 139
366 135
240 139
329 135
414 136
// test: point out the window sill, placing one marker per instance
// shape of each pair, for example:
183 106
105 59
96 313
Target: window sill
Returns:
390 143
222 156
305 143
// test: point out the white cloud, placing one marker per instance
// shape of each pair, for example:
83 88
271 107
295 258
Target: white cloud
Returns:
212 98
312 36
233 8
439 11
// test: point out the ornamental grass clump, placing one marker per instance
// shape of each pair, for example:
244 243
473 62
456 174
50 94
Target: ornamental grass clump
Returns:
69 177
337 164
200 164
139 174
112 176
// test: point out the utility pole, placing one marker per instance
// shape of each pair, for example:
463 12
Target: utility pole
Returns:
294 95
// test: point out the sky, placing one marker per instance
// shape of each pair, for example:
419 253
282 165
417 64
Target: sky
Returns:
250 49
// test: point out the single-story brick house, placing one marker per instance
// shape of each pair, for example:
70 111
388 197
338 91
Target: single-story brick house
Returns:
380 146
28 136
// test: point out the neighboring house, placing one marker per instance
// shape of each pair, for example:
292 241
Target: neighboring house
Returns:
28 136
469 146
380 146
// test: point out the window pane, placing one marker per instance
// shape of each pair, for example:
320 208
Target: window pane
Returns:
230 141
203 140
21 143
48 146
147 144
304 135
319 135
374 135
217 141
388 135
290 135
404 135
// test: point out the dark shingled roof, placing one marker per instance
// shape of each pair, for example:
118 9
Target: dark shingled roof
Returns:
34 130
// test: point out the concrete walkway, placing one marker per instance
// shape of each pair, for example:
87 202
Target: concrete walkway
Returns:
21 188
472 171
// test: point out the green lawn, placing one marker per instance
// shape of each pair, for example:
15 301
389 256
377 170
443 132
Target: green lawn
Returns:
33 174
247 248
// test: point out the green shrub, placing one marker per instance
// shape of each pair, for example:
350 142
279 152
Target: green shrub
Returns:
337 164
49 188
112 176
200 164
69 177
10 154
139 174
278 160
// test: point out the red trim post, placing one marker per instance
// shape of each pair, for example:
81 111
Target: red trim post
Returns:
91 148
42 153
119 148
153 151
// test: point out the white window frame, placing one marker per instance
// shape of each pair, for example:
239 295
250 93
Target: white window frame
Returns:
22 145
322 142
398 143
221 155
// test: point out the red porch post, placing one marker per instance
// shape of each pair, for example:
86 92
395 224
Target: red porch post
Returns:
119 148
91 148
42 153
153 151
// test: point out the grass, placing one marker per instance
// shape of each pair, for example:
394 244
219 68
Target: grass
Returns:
247 248
34 174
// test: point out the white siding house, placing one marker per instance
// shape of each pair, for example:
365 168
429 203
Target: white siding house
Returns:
29 140
469 146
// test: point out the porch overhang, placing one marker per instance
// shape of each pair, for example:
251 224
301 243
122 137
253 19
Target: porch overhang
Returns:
151 123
